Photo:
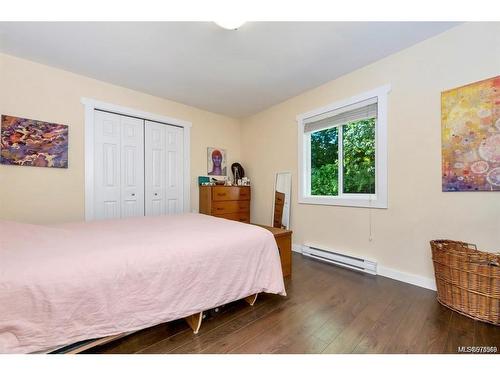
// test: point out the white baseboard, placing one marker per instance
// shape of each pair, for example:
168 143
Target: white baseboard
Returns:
297 248
391 273
408 278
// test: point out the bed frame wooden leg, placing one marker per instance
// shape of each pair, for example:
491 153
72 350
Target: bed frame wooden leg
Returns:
194 321
251 299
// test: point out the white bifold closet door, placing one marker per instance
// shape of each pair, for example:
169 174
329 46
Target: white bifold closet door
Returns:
138 167
163 169
118 166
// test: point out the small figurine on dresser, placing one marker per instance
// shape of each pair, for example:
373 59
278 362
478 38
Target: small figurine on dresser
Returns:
245 181
238 172
239 178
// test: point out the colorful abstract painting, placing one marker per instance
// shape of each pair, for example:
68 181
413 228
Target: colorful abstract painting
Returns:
470 125
33 143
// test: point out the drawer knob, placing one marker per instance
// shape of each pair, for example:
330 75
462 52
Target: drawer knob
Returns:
221 194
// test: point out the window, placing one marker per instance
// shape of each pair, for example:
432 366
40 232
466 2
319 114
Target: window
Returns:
343 152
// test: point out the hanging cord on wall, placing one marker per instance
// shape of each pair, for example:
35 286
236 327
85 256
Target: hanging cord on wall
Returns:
370 237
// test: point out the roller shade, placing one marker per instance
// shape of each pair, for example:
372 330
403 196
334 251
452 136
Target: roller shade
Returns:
354 112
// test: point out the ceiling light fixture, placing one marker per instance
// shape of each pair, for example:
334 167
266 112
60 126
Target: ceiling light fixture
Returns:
230 24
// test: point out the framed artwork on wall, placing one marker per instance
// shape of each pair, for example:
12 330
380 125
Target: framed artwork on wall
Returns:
470 134
216 161
33 143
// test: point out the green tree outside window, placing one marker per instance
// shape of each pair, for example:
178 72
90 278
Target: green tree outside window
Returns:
358 144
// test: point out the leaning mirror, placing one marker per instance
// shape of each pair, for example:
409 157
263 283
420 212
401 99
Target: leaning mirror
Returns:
282 189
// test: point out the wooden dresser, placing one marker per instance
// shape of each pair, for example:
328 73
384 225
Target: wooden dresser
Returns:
283 239
229 202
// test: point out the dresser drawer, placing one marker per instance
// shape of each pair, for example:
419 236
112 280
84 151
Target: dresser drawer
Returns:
229 207
226 193
243 217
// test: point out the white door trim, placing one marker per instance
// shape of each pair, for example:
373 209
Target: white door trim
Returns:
90 106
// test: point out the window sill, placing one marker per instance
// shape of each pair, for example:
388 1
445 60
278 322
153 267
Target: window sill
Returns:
363 201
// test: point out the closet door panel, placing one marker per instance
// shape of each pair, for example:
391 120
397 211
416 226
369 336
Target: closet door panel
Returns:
155 168
174 176
132 166
172 206
163 169
107 159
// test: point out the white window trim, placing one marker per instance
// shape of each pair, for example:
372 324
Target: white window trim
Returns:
90 106
378 200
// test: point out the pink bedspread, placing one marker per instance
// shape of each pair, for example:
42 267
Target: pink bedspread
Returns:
66 283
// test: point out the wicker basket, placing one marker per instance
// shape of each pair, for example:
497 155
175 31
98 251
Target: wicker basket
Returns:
467 280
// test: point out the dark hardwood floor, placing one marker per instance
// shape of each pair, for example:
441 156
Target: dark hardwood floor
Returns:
328 310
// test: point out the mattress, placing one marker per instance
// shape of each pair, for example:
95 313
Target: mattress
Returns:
65 283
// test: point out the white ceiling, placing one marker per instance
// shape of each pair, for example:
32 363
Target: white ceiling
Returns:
236 73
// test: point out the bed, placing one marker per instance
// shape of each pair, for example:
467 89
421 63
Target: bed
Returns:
62 284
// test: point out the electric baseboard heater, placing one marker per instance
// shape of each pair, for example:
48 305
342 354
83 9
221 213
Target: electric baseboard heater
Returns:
339 259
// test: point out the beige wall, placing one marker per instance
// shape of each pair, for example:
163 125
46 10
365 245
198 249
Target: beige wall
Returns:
418 210
46 195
